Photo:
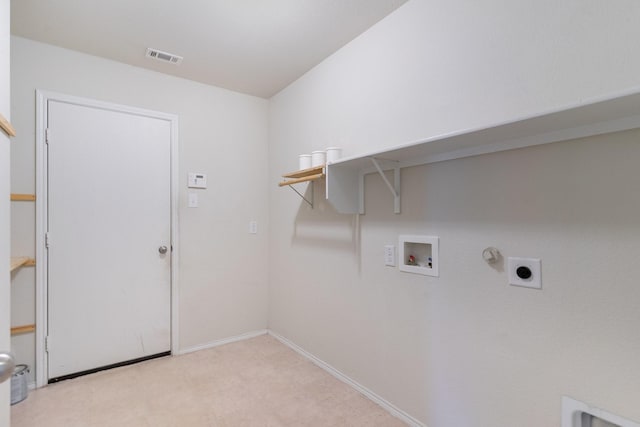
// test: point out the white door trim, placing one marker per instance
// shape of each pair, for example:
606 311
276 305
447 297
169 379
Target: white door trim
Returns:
42 97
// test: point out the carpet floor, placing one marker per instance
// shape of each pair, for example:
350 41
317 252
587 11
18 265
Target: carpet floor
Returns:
256 382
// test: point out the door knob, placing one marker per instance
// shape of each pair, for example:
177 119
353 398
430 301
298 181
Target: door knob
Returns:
7 365
162 249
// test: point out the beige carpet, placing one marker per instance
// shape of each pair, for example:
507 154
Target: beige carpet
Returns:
257 382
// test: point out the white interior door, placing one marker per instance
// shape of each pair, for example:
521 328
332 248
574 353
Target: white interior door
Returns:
109 213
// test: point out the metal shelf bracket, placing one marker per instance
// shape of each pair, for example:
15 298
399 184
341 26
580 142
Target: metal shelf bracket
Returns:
302 195
395 187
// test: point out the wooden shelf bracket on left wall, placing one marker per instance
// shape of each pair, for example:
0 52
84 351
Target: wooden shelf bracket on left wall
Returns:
22 261
306 175
23 329
23 197
6 126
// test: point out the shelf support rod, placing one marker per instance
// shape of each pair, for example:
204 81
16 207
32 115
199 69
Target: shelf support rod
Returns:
395 188
361 193
301 195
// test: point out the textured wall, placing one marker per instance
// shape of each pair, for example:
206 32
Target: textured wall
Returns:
221 133
466 349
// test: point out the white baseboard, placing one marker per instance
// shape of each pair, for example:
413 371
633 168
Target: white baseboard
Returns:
393 410
223 341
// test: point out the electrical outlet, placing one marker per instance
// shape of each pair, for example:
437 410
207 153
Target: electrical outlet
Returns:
525 272
390 255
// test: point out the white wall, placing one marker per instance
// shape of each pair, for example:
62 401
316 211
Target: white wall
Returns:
466 349
4 203
222 279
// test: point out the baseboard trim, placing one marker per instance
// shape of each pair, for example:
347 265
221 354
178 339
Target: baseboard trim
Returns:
392 409
224 341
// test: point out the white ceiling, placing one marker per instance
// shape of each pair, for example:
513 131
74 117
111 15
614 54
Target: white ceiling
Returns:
252 46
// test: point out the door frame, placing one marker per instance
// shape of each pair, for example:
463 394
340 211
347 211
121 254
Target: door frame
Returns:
42 98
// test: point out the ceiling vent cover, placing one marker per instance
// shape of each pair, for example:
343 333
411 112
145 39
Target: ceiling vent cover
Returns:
163 56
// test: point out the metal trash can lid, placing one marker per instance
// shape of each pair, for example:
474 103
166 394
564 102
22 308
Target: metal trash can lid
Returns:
20 370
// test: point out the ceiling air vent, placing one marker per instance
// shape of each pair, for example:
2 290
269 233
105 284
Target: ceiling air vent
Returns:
163 56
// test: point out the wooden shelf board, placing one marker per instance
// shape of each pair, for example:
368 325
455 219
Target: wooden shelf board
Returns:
24 329
302 179
22 261
6 126
305 172
23 197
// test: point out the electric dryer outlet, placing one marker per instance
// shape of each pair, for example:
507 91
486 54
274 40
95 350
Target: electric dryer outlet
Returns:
526 272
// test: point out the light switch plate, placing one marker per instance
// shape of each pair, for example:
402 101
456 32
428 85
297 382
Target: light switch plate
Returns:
193 200
197 180
390 255
253 227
